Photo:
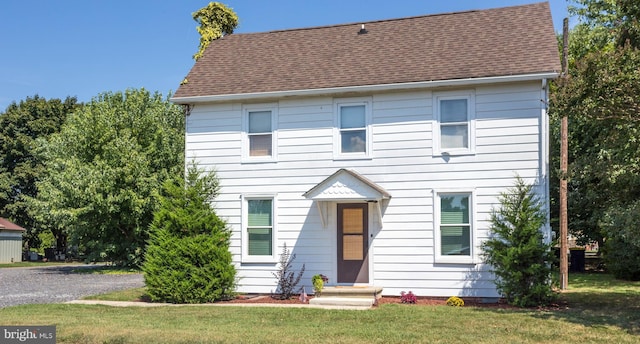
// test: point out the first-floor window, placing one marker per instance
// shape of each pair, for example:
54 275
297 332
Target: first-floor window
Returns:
259 227
454 229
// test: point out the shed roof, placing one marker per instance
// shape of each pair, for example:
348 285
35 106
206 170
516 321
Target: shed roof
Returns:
7 225
518 40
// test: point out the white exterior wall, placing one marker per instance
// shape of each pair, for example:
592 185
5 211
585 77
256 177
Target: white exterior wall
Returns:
10 246
509 129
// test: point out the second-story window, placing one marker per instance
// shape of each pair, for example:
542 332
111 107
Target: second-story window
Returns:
353 129
353 137
260 134
454 126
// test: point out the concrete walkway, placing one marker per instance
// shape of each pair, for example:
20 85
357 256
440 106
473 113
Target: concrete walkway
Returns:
150 304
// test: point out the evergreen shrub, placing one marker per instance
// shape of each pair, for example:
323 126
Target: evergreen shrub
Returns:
188 258
519 256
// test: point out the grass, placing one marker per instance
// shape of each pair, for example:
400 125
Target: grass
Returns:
135 294
105 270
600 310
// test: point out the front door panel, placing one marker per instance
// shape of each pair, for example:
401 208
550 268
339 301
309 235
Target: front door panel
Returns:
353 229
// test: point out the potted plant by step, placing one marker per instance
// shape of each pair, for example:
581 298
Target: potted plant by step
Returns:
318 282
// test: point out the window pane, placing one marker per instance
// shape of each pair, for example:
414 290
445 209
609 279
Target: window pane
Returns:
259 212
454 209
454 136
352 221
455 240
354 141
352 247
454 110
352 117
260 122
260 145
260 241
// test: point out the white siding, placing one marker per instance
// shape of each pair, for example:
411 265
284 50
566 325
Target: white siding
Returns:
510 130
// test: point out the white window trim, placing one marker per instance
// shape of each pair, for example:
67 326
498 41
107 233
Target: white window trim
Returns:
473 257
246 109
337 140
244 237
469 95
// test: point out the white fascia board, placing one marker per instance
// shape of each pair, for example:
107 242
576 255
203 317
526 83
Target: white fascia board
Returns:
364 88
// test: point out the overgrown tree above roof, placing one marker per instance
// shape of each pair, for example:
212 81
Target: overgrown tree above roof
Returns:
215 20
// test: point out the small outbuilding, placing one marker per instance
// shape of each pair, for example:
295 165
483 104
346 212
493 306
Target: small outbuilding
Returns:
10 241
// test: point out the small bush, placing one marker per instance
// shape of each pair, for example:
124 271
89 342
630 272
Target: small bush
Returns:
455 301
287 279
318 282
408 297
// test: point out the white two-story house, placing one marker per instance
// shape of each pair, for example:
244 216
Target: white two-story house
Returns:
375 151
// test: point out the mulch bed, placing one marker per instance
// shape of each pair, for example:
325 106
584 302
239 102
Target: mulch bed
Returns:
421 301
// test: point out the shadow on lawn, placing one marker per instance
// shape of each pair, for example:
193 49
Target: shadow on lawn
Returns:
600 308
596 300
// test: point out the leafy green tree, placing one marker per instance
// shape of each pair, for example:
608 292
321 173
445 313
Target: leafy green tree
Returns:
21 125
215 20
517 252
600 98
104 170
614 21
188 258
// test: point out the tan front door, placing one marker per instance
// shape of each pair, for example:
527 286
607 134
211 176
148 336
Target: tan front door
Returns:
353 229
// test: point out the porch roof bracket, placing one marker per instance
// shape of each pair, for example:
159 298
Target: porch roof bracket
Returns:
323 214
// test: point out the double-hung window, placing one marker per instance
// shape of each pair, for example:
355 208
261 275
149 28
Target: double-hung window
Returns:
260 138
455 123
454 232
259 229
353 137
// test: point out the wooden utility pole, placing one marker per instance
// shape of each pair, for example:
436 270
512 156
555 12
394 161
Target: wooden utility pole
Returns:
564 162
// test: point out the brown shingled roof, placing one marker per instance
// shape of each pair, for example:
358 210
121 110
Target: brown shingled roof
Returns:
7 225
506 41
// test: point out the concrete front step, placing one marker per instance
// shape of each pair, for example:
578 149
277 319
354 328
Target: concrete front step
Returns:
365 292
349 302
348 296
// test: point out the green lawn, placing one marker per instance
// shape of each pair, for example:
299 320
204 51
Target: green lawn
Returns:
600 310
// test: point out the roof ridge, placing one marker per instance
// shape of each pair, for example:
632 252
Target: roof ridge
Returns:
386 20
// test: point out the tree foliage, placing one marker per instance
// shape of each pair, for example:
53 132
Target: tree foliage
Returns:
21 125
517 252
104 170
188 258
215 20
599 96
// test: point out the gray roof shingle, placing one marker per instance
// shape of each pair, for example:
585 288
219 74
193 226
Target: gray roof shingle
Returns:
506 41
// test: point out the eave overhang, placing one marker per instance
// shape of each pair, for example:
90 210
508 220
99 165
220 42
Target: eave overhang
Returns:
364 88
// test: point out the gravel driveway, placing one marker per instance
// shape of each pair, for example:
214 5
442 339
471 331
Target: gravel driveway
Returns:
53 284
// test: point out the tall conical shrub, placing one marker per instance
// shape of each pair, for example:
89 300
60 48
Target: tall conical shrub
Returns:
519 256
188 258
